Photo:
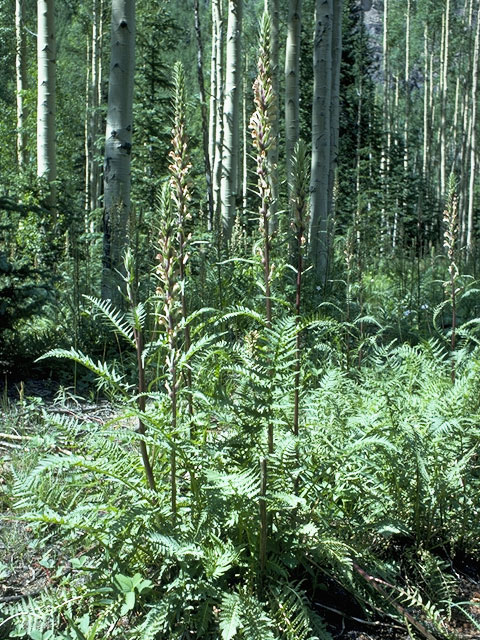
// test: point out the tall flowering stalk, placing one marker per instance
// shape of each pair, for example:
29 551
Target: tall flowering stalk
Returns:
171 260
450 235
261 128
168 316
180 191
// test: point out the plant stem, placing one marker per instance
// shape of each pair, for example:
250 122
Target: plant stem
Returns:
141 406
262 503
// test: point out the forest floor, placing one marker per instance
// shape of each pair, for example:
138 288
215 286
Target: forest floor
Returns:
27 570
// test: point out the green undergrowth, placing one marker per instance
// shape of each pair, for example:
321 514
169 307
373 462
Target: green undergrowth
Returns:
370 502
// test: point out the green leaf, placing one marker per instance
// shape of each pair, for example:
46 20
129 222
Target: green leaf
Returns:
230 620
123 583
129 602
116 317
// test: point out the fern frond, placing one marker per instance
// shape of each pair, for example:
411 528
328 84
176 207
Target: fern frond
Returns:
172 548
156 621
115 317
219 558
256 624
230 615
293 615
242 312
139 314
107 376
244 484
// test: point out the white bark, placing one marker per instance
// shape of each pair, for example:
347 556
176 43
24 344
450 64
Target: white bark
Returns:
425 106
473 139
292 83
444 89
217 167
94 125
321 136
465 133
387 137
87 142
213 94
46 51
273 9
407 89
244 147
203 107
21 73
335 109
231 117
92 121
118 142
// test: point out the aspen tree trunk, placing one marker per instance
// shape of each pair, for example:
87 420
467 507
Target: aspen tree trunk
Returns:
203 105
473 139
321 137
231 118
406 125
386 141
395 128
443 106
456 150
217 167
424 156
244 146
407 90
92 120
273 9
213 104
425 108
292 84
462 200
465 176
87 142
46 51
118 145
94 124
335 107
357 220
431 107
21 72
465 133
456 115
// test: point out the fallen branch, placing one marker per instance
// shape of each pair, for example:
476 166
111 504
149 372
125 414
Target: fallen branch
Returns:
371 623
375 583
21 596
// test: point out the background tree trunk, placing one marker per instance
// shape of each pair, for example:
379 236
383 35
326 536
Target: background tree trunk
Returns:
21 73
217 167
213 106
94 121
473 139
321 137
386 140
272 7
292 84
46 51
118 145
443 104
231 117
335 107
203 108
